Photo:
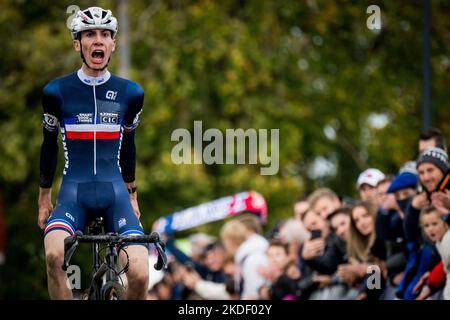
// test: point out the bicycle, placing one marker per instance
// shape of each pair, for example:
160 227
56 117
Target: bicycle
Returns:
106 283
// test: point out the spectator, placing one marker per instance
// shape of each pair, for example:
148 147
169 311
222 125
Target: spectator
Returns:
367 184
205 289
389 225
363 249
434 177
283 286
209 261
340 222
383 199
432 137
251 222
211 290
438 232
249 251
324 201
293 233
404 189
320 257
198 242
300 207
162 290
432 166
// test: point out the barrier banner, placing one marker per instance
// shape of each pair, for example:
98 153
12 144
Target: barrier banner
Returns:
213 211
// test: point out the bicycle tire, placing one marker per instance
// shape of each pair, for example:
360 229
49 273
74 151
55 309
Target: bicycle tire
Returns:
113 291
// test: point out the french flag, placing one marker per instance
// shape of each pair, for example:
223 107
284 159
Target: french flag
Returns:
87 131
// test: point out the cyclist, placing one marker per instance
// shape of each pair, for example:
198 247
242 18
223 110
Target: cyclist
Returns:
97 113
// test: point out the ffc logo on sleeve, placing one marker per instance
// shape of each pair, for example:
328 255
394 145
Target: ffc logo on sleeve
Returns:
50 122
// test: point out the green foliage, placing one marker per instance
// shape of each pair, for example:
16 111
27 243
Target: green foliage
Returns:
298 66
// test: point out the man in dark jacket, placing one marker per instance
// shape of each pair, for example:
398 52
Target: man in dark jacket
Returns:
434 177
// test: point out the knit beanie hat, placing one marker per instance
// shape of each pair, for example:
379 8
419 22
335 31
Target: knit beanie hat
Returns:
435 156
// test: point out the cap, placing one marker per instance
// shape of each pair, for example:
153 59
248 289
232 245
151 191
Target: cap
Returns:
371 177
436 156
403 180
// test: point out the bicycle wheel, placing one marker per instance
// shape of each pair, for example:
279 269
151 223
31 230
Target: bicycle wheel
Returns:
113 291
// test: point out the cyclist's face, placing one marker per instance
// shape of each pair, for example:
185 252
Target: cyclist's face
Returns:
97 46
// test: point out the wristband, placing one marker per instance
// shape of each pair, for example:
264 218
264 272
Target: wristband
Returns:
132 190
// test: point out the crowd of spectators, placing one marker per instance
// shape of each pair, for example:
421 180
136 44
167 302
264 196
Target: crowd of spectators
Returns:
391 243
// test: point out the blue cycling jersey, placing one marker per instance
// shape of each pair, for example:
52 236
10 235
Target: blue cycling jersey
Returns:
92 112
96 117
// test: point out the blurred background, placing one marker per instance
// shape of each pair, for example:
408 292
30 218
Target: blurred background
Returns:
344 97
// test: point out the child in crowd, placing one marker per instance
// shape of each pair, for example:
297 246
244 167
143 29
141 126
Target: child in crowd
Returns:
437 230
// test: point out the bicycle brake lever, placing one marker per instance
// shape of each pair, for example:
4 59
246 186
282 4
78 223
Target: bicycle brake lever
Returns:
70 245
162 258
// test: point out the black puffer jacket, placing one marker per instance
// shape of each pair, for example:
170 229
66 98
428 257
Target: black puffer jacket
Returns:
334 255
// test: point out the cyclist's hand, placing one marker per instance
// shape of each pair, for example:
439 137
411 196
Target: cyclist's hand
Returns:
45 206
134 204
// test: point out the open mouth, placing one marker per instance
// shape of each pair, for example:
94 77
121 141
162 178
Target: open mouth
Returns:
97 56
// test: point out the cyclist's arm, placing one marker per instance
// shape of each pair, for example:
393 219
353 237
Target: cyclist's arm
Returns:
49 151
128 158
130 122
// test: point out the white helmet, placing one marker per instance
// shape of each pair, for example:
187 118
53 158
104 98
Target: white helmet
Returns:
93 18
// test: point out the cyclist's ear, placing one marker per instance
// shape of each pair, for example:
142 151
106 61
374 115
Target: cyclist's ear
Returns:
77 45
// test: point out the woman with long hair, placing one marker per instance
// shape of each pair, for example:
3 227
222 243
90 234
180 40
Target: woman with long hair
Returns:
365 253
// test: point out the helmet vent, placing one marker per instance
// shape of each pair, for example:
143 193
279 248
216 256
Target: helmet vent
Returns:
88 13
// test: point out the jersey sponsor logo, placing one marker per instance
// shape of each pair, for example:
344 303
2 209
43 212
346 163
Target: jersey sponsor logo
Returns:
84 118
111 95
122 222
66 152
51 122
68 215
109 117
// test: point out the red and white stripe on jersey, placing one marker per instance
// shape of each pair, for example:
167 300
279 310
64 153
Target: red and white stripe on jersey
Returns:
86 131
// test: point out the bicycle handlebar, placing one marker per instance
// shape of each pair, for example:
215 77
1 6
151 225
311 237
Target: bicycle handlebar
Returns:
117 239
72 242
